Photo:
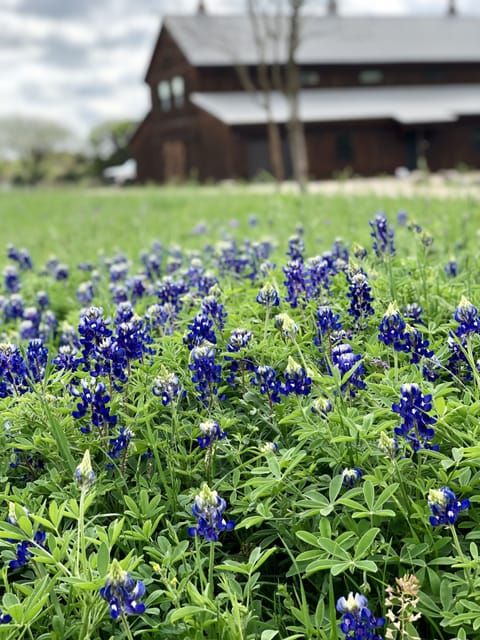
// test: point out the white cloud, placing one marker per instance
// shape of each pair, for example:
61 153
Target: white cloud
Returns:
82 61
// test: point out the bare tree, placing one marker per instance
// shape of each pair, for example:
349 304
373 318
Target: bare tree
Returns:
296 132
277 35
262 36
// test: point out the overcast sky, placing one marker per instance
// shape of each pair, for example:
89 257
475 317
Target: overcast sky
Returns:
83 61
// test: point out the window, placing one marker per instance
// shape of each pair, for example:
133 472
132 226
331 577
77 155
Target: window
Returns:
164 95
310 78
476 140
178 91
344 148
370 76
435 75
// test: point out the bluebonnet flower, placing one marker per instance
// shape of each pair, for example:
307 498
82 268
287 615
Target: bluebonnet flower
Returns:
351 476
296 379
266 379
208 508
33 315
118 270
85 292
92 329
413 312
93 399
43 299
296 247
66 358
161 316
457 362
359 292
317 275
37 358
60 272
238 340
416 345
211 432
287 326
392 328
431 368
47 326
200 330
152 263
451 268
389 445
295 282
467 317
124 312
328 323
23 549
206 373
171 290
20 256
122 593
444 506
347 361
268 296
119 293
321 406
402 218
359 251
13 371
11 278
168 387
212 307
84 474
30 463
5 618
85 266
13 307
383 235
133 338
136 286
119 446
413 409
270 447
358 622
266 267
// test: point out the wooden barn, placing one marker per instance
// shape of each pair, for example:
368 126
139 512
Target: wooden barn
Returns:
377 93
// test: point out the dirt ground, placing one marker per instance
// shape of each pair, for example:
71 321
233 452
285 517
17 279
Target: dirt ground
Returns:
451 184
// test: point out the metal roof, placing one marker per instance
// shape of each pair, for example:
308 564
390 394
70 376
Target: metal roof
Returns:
219 40
406 105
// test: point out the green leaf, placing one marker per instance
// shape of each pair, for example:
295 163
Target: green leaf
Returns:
335 487
367 565
365 543
369 494
251 521
339 568
308 537
268 634
103 559
188 612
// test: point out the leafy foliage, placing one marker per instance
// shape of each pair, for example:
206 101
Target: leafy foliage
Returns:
301 489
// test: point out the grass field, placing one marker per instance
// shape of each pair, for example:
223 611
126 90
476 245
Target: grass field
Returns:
239 416
76 224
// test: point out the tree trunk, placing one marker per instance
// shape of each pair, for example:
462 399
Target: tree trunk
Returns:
296 132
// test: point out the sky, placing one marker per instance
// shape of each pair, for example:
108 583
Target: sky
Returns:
81 62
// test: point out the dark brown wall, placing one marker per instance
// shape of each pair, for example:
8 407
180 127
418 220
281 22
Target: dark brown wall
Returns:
226 78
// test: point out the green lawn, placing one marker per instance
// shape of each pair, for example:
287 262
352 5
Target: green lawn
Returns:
75 224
